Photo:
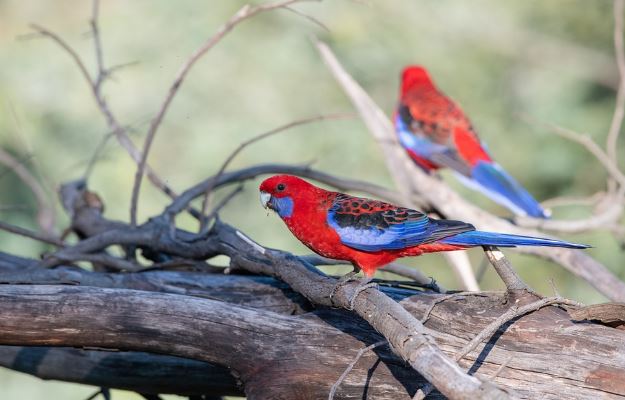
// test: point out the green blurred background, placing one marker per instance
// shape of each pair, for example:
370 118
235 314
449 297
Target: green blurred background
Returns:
550 60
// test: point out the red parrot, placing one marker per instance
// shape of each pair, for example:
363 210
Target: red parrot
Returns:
371 233
436 133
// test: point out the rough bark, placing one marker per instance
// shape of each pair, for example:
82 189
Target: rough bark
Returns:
543 354
139 372
275 356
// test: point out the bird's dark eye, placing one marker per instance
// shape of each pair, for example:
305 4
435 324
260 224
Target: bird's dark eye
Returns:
281 187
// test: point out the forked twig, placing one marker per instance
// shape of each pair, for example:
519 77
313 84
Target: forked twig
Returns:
512 313
243 14
209 190
46 216
111 121
223 203
351 365
590 145
428 312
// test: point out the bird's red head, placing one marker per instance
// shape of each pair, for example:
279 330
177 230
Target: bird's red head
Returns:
281 192
414 76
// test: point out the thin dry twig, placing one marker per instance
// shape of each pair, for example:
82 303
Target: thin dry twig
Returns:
46 215
589 144
95 31
243 145
41 237
619 110
223 203
243 14
428 312
512 313
118 264
460 263
72 53
411 180
308 17
563 201
120 132
351 365
414 275
501 367
181 202
504 269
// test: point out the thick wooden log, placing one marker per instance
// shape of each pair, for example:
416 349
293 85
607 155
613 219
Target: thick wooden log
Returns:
135 371
275 356
260 292
540 355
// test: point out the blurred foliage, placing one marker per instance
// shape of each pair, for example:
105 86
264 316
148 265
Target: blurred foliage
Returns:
551 60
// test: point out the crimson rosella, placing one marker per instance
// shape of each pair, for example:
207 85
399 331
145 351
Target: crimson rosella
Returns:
436 133
371 233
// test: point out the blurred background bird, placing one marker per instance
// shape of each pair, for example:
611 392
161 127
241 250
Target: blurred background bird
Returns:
436 133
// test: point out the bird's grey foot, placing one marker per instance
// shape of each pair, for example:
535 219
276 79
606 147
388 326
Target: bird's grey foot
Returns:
342 281
362 286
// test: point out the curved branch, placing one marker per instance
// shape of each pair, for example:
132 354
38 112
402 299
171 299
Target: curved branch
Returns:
185 198
619 109
46 216
411 179
243 14
243 145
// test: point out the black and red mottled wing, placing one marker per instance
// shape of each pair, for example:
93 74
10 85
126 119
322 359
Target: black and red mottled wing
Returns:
371 225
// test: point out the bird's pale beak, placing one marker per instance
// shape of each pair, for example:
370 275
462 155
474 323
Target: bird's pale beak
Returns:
265 198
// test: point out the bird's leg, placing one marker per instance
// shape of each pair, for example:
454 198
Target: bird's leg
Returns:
343 280
363 285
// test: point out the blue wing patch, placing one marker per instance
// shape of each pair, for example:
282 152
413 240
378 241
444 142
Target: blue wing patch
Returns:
425 148
374 226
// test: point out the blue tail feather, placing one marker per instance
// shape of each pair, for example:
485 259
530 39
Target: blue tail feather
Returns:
479 238
497 184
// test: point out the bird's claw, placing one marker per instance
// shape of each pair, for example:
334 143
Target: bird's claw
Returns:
342 281
361 288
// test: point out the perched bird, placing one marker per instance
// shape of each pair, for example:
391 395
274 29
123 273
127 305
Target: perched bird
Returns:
436 133
371 233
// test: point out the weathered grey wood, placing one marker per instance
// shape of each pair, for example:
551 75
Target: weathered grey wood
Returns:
612 314
135 371
260 292
275 356
545 354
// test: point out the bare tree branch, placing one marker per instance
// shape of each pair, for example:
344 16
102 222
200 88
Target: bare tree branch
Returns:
185 198
41 237
46 215
244 144
112 122
619 110
514 312
504 269
351 365
460 263
243 14
590 145
411 179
